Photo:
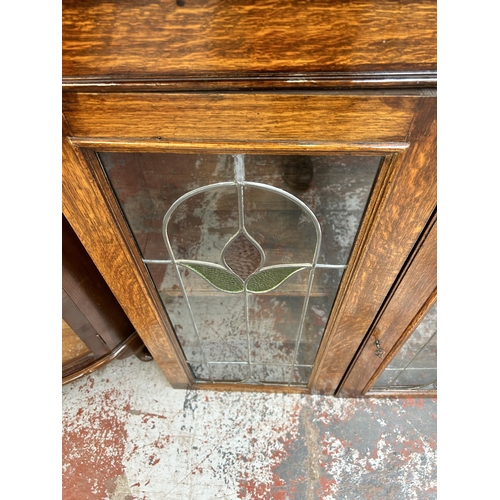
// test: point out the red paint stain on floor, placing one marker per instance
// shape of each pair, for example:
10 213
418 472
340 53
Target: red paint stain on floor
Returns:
328 486
250 488
412 402
93 445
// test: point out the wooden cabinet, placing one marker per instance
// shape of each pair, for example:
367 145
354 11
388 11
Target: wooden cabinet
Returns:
268 116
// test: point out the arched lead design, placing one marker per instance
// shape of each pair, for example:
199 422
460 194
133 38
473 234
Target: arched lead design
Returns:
234 274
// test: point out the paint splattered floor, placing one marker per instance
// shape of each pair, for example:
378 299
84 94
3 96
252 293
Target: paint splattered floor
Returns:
127 435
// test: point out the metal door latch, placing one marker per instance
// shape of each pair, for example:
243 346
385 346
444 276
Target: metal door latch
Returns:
379 351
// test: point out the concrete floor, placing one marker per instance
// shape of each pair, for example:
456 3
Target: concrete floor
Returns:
127 435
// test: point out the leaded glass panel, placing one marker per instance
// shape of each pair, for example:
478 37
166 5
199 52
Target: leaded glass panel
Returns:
246 251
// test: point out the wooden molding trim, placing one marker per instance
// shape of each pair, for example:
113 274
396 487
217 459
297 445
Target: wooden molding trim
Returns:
225 387
402 394
265 81
399 343
235 147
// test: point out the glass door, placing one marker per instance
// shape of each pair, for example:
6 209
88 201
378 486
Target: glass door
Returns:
250 237
246 251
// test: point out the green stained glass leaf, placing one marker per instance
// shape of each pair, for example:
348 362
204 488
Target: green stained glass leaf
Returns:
269 279
219 278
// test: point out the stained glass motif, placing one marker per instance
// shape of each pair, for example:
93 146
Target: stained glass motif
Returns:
246 256
246 252
219 277
271 278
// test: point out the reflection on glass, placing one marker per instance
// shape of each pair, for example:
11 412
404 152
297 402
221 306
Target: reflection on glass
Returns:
415 366
246 252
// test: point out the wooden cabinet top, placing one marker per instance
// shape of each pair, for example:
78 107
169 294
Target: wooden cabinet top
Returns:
288 42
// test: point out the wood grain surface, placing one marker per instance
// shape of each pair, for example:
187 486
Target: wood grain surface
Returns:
207 38
82 327
243 118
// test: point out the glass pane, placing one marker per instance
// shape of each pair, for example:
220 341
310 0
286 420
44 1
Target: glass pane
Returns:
336 188
415 365
147 185
246 251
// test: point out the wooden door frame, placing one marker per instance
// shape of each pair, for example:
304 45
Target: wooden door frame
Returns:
390 124
411 297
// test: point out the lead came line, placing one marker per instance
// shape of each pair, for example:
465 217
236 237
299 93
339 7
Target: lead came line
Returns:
239 177
306 265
